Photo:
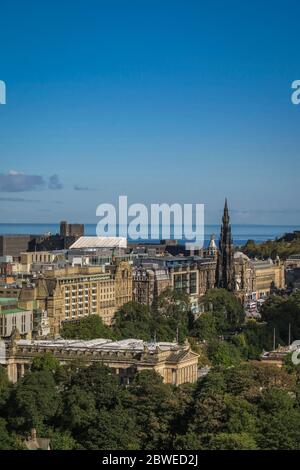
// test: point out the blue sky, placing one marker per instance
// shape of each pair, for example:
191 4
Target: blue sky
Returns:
163 101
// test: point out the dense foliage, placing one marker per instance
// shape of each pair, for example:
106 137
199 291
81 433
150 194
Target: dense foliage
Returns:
283 314
237 405
249 406
272 248
88 328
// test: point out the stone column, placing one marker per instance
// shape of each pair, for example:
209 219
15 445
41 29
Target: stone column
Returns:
12 372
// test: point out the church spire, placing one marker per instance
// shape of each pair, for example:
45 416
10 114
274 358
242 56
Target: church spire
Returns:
226 218
225 265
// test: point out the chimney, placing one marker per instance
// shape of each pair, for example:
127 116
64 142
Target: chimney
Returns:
33 434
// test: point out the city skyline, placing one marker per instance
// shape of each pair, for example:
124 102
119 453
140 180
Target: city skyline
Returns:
105 100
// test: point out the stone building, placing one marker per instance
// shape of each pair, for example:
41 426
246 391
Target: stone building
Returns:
75 292
71 230
149 283
33 442
177 364
292 278
255 279
11 290
192 275
13 245
268 275
212 250
293 261
12 317
36 260
244 277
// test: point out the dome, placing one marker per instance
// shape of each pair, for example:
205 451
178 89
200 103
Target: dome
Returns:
212 244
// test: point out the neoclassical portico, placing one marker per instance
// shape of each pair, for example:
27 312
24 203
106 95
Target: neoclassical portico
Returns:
177 364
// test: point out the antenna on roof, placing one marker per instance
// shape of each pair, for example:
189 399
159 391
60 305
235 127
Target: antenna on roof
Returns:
154 339
177 334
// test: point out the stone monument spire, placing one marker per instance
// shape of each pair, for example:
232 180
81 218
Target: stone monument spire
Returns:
225 264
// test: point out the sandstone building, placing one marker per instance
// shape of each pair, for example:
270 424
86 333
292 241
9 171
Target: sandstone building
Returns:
177 364
12 317
72 293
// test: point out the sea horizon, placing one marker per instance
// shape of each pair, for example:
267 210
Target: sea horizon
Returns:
241 233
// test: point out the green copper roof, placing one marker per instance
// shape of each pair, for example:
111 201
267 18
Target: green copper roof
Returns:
5 300
12 310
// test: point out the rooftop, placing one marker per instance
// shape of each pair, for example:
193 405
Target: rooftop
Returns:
12 310
7 300
100 242
100 344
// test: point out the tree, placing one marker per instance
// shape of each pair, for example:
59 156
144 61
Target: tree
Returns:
33 401
280 312
4 387
204 328
191 441
213 383
275 400
172 316
99 382
154 406
113 430
78 411
234 441
46 362
241 381
87 328
225 307
133 320
223 353
240 416
208 413
61 440
279 430
270 376
283 247
258 337
8 441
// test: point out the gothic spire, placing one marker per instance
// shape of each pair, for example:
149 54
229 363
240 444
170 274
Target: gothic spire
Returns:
226 218
225 265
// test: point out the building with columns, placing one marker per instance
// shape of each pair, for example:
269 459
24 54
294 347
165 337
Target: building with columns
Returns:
177 364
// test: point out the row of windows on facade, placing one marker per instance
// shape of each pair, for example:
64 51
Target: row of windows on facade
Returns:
186 282
93 299
76 292
103 278
104 313
3 324
80 306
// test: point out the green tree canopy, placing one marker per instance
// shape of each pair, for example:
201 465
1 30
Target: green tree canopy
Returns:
87 328
225 307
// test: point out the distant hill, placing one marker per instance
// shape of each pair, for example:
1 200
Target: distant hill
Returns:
288 244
